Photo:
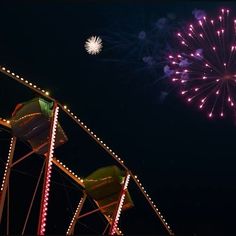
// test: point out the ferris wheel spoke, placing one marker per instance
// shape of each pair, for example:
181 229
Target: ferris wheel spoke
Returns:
68 171
6 176
117 212
71 228
47 175
32 200
105 230
28 154
8 209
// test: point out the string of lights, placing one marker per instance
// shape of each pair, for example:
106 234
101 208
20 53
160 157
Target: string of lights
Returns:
74 218
48 169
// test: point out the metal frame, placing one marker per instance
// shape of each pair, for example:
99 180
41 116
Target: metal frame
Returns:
6 176
75 217
47 174
117 212
46 95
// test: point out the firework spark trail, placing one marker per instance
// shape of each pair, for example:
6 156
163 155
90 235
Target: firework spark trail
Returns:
204 68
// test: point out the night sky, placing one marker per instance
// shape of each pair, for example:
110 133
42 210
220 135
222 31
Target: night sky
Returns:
185 160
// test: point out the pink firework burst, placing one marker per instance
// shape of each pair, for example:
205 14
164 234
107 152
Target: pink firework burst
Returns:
205 67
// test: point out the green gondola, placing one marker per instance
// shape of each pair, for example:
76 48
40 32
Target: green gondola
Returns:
31 122
104 186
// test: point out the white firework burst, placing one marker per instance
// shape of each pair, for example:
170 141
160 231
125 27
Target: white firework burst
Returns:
93 45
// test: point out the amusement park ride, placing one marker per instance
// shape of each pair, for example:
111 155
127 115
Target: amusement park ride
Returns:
35 122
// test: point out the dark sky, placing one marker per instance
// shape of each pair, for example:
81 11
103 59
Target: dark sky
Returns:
186 161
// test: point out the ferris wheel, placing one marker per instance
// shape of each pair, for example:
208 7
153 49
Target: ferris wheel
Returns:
35 124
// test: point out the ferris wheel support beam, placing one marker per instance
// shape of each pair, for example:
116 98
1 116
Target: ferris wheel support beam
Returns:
96 210
117 212
6 176
28 154
77 216
109 220
47 173
73 222
68 172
